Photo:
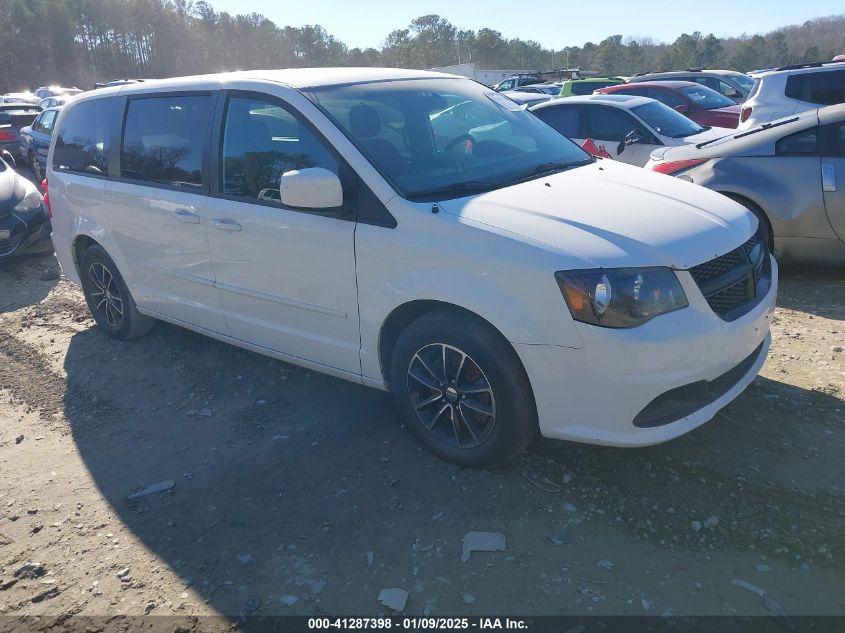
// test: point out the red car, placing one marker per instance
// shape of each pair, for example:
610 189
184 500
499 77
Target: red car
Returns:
703 105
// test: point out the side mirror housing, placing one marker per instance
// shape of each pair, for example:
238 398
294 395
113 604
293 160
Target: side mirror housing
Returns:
683 108
311 188
9 159
631 138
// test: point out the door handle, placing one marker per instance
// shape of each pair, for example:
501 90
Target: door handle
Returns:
188 217
828 178
224 224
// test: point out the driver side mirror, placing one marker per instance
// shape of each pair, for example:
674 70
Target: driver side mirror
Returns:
631 138
9 159
683 108
311 188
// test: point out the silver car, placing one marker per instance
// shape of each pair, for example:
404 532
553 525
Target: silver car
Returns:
730 83
790 173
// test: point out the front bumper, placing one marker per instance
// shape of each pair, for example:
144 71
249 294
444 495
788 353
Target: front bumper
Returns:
25 234
594 394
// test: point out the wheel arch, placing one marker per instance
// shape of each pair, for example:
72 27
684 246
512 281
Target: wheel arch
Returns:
81 243
405 314
756 209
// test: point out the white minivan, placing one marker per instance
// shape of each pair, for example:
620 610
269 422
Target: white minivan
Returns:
501 285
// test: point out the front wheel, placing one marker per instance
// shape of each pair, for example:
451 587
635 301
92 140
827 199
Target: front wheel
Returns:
108 298
462 389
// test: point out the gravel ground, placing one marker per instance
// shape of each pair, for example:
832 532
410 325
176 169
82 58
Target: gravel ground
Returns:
295 493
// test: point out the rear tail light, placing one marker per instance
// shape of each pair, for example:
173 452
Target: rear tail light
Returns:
675 167
47 198
744 114
6 136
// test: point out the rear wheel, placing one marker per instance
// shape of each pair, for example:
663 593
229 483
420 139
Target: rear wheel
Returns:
35 168
462 390
108 298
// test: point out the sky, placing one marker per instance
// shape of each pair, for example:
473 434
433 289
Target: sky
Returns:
553 23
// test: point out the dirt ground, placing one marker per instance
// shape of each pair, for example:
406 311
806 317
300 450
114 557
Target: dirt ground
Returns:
296 493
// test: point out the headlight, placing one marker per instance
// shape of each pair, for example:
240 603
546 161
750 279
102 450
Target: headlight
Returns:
31 201
622 297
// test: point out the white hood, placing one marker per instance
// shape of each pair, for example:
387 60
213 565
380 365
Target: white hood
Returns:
615 215
708 135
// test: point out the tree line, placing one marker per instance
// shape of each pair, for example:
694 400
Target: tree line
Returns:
78 42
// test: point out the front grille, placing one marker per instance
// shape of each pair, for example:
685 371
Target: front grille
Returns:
735 282
682 401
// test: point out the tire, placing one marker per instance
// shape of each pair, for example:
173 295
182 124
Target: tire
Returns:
108 298
495 417
761 218
35 168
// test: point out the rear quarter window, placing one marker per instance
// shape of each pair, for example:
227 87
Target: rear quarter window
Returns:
803 143
82 138
822 88
562 118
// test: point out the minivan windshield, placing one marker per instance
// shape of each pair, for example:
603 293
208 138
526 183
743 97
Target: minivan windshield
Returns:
666 121
436 139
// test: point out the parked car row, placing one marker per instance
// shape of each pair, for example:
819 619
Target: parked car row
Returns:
719 98
35 141
630 127
14 117
782 166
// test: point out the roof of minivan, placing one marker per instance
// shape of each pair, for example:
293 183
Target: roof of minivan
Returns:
299 78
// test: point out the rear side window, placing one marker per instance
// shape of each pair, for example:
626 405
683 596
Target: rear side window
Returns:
803 143
665 96
668 97
822 88
47 120
587 87
82 139
165 139
562 118
607 123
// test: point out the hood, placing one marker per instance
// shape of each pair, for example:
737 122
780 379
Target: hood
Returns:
12 190
708 135
615 215
722 117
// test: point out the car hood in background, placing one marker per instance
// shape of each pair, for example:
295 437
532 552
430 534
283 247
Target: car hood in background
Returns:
722 117
708 135
12 190
615 215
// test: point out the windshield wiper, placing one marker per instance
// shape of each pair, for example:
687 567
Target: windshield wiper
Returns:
767 126
455 190
544 169
754 130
